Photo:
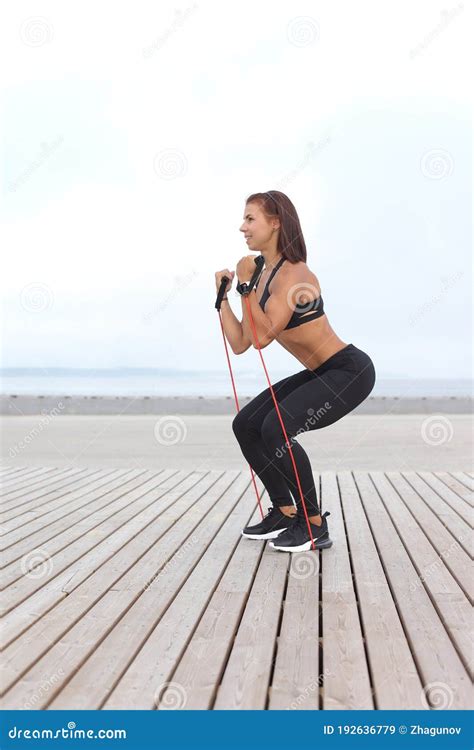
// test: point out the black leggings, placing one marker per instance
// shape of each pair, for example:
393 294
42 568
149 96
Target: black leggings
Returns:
308 400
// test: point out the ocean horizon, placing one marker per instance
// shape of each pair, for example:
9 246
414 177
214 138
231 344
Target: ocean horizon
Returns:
126 381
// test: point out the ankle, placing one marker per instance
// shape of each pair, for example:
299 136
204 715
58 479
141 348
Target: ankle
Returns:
316 520
288 510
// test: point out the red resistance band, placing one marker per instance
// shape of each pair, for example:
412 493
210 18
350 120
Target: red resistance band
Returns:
278 412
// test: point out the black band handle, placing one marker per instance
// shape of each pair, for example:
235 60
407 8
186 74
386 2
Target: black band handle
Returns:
221 292
259 263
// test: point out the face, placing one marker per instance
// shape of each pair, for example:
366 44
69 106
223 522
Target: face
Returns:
257 228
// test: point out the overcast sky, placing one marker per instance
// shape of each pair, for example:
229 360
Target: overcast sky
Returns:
133 132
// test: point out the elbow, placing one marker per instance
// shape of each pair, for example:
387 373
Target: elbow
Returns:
241 350
263 343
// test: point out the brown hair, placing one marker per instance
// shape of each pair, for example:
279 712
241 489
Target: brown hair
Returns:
291 243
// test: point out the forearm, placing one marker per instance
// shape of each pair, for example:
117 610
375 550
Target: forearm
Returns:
232 327
260 321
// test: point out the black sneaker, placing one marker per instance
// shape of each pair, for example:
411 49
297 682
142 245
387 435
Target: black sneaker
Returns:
297 539
271 525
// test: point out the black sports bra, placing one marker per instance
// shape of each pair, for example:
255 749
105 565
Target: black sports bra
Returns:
299 316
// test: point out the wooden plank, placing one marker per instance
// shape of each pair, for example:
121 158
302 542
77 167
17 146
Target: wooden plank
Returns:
445 592
158 540
139 500
161 620
434 652
466 482
244 683
394 675
104 499
449 518
5 470
296 678
450 497
345 671
9 472
10 481
202 663
447 548
15 508
23 491
60 506
133 499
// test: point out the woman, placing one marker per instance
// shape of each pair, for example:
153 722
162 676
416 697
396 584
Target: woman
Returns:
287 307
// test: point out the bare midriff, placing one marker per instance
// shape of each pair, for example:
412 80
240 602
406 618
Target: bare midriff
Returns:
312 343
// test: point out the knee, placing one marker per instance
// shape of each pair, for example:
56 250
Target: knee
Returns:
239 425
272 433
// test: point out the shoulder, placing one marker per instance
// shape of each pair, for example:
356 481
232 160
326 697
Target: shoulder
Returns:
297 273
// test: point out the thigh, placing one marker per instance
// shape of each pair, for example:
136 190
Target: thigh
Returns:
259 407
319 401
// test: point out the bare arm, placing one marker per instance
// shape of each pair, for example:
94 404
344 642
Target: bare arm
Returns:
233 330
279 309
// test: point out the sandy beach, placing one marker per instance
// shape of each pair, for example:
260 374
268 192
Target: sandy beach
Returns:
387 441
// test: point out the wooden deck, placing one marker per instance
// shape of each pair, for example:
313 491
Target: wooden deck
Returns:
133 589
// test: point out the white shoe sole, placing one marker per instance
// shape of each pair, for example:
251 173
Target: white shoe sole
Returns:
268 535
321 544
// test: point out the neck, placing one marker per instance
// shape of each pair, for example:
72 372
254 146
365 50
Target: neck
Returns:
271 258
